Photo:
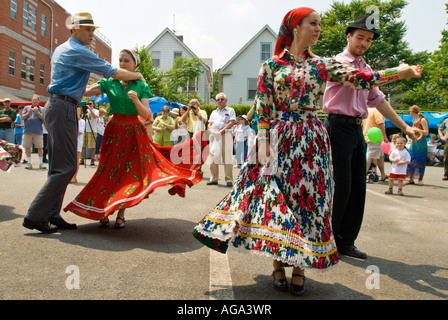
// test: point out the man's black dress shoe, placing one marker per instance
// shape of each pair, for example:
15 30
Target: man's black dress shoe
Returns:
212 183
44 227
280 284
62 224
230 184
295 289
352 251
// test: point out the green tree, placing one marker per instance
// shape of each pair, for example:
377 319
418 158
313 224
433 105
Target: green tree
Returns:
179 77
215 84
153 75
432 91
172 84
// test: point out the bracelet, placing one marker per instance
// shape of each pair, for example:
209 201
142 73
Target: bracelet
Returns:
263 136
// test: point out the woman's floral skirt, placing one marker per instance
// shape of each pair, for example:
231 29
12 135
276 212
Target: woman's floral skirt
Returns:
282 210
131 167
10 154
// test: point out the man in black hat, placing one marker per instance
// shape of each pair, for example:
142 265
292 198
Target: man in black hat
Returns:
347 108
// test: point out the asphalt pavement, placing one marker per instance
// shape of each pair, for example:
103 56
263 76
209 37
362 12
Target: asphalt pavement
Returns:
155 257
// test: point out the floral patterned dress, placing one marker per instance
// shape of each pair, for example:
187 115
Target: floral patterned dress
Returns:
283 209
10 154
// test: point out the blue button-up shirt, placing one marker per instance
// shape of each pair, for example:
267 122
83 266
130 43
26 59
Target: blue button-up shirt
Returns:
71 65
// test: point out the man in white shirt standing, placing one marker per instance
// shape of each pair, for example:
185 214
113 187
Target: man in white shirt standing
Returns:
219 125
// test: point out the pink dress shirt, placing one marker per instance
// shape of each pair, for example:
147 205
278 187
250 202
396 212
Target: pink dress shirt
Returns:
340 99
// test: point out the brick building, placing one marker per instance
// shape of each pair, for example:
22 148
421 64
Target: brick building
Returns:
30 30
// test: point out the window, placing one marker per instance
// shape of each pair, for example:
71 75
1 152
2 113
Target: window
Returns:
33 19
32 69
14 9
192 86
42 74
12 63
43 29
23 73
265 51
25 14
251 88
177 54
155 56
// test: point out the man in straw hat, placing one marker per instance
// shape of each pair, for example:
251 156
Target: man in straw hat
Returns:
71 65
347 108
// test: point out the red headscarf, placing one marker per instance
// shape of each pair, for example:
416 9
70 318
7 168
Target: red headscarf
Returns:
290 21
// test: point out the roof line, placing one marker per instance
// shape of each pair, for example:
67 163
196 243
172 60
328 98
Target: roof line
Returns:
266 27
169 31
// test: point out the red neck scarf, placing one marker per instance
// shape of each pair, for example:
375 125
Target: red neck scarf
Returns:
290 21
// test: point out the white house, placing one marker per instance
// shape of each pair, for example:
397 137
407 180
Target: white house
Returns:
238 78
167 47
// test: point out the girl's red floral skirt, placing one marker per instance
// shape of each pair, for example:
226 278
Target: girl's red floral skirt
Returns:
131 167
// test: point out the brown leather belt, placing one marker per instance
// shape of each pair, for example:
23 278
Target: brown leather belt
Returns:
345 119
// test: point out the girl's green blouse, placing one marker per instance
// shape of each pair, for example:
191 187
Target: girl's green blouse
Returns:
120 103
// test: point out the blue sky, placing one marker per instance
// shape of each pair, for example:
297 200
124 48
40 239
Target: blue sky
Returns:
218 30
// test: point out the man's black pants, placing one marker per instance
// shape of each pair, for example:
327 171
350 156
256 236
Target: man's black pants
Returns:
61 121
348 149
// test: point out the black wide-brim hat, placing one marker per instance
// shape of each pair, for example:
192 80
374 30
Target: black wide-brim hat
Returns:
361 23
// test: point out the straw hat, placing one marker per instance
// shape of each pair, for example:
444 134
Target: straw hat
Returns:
82 19
175 111
6 100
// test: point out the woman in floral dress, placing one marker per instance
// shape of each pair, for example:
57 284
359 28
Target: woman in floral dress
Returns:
281 206
131 166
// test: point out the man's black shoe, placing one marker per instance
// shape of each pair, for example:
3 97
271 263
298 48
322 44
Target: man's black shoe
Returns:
212 183
352 251
62 224
44 227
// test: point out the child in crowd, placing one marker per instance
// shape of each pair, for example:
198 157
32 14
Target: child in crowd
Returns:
399 158
240 141
393 144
